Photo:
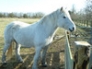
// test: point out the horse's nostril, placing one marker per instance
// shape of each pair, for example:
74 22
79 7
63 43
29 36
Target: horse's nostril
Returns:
71 29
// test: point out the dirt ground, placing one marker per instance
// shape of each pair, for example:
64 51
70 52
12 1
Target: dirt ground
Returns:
55 58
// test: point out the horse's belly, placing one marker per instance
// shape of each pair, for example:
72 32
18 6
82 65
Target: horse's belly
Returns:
26 43
24 40
24 36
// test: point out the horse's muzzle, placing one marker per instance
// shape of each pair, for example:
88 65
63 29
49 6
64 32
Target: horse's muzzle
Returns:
71 29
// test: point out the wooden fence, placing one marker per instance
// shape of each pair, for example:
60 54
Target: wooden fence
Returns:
69 60
84 24
90 60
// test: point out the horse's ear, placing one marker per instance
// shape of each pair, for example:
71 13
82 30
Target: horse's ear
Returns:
61 8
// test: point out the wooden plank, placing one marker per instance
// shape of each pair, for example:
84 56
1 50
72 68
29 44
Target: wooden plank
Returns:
82 43
68 55
81 55
90 61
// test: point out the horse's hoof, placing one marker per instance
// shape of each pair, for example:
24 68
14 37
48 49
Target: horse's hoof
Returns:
21 61
44 65
4 64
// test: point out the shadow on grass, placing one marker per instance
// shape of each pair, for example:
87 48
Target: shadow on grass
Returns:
53 61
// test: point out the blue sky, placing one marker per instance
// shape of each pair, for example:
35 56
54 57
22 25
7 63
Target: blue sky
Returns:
45 6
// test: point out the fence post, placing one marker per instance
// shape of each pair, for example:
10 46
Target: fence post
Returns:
90 60
81 55
90 40
91 32
68 55
87 23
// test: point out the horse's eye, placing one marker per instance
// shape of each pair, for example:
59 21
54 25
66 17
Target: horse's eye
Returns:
64 17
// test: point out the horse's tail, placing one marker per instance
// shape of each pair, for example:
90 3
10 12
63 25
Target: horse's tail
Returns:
10 50
8 37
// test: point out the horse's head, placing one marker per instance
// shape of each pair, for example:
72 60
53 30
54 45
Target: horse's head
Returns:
64 20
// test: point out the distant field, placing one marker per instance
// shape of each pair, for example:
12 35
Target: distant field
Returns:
55 57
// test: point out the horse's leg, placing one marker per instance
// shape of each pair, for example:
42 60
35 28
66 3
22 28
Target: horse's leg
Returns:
6 47
44 64
36 57
17 51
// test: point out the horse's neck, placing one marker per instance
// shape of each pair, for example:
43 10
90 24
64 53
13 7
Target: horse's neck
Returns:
49 24
50 29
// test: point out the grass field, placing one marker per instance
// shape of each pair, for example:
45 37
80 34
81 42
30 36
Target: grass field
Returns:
55 56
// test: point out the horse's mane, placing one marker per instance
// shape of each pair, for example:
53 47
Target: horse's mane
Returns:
51 16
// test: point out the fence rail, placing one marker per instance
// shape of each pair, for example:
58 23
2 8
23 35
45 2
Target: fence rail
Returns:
84 24
87 25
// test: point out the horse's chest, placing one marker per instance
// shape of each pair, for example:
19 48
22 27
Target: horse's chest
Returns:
42 41
49 40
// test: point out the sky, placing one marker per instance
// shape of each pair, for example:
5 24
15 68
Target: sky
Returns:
45 6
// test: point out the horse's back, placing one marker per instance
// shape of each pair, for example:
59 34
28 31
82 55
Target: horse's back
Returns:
13 27
18 24
21 32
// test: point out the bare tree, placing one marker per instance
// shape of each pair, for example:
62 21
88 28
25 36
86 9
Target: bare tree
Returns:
73 13
88 9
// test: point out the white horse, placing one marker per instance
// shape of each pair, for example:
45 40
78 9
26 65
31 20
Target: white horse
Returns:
38 35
